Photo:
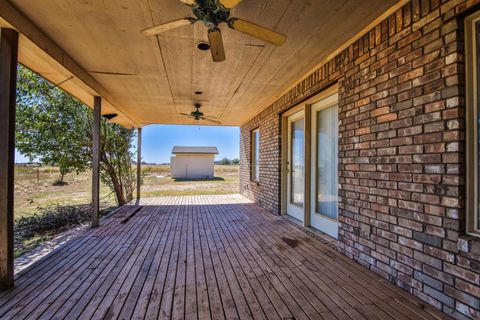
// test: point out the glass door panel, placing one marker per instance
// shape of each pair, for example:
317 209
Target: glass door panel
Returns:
297 163
324 166
327 163
295 195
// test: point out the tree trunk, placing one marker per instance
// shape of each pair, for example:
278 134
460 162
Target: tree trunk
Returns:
119 193
117 188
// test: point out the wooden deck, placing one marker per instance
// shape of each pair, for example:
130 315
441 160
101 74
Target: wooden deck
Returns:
203 257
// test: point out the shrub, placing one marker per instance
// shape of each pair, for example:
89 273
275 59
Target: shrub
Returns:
32 230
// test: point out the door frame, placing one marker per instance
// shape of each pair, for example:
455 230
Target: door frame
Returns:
306 106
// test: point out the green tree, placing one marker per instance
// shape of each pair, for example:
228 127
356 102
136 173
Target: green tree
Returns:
56 129
225 161
236 161
116 160
50 124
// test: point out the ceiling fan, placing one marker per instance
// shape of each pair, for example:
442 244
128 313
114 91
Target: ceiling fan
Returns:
212 13
198 115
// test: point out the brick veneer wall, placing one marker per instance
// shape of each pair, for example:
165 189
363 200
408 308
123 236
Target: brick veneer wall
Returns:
401 113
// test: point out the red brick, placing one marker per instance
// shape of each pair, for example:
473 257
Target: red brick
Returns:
401 154
387 117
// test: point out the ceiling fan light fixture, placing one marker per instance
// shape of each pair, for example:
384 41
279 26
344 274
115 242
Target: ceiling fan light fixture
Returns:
204 46
212 13
197 115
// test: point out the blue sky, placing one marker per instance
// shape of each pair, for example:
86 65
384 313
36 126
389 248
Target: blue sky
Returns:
158 141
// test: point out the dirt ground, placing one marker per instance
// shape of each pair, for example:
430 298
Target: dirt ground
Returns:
34 187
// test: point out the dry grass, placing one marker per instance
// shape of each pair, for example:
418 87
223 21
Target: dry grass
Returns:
32 194
34 229
158 182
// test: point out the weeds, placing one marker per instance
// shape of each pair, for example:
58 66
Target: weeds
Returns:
30 231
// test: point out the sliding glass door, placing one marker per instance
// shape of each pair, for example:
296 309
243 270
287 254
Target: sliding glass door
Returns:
311 163
324 171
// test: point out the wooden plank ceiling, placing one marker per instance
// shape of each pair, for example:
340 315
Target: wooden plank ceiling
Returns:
152 79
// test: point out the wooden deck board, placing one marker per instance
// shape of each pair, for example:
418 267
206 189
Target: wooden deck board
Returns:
66 269
71 287
56 259
203 257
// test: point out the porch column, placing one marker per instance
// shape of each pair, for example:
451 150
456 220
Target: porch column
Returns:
97 113
139 161
8 84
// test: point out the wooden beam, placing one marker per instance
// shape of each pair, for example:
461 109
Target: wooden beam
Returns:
28 29
97 114
8 84
139 162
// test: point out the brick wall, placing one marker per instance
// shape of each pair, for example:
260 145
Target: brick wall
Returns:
401 113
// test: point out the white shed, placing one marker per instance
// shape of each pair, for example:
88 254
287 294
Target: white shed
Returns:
193 162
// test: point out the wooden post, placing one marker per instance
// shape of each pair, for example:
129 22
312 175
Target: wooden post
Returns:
8 84
97 114
139 161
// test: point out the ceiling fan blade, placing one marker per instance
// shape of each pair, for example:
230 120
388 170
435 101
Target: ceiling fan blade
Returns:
230 3
168 26
216 44
211 120
190 3
185 114
257 31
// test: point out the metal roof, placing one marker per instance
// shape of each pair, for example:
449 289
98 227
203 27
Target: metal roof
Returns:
195 150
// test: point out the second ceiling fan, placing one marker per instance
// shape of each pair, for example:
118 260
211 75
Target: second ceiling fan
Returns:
212 13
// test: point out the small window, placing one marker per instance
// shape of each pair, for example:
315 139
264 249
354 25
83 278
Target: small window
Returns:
256 155
472 50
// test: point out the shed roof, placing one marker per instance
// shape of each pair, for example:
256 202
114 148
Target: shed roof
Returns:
195 150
